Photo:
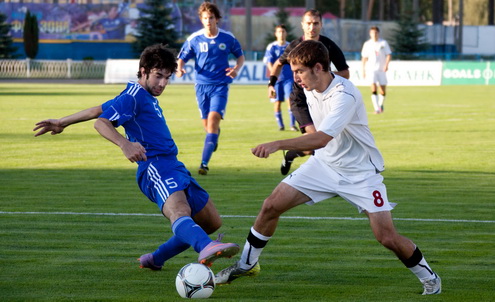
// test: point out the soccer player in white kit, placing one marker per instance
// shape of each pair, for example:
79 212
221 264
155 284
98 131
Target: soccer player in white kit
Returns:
376 56
346 163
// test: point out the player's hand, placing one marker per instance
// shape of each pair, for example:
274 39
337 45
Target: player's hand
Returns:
51 125
271 92
231 72
180 72
134 152
264 150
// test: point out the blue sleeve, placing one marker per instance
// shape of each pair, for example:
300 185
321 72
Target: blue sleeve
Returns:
106 105
268 54
187 51
119 110
236 49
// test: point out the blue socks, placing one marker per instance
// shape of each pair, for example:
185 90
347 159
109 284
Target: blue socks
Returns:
278 118
280 121
292 119
187 231
211 141
169 249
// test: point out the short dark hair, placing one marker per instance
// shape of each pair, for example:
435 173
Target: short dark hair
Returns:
282 26
209 7
375 28
313 12
308 53
157 56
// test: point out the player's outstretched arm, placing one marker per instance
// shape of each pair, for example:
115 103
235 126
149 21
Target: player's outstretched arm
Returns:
57 126
310 141
50 125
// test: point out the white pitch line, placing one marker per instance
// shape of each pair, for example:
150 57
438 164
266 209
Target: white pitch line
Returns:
248 216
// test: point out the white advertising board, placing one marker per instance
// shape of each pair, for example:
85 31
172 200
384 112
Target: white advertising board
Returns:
403 73
400 73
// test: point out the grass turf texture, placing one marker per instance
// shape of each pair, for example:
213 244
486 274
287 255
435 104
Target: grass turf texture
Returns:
438 147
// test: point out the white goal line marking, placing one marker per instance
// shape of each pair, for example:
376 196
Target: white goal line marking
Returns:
248 216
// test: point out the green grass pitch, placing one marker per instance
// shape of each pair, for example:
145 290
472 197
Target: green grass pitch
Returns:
73 221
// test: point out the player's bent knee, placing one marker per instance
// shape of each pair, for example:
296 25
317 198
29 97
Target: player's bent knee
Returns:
270 211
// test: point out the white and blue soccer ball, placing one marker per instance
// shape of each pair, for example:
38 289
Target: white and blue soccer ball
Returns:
195 281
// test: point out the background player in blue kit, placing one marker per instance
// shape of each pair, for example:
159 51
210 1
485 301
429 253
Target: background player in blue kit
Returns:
283 87
211 47
160 175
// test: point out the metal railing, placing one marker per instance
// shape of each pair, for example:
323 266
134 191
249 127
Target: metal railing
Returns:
52 69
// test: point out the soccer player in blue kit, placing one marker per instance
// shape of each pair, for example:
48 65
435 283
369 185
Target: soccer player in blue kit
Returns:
160 175
283 87
211 47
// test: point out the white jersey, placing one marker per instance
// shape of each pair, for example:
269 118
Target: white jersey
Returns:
340 112
377 53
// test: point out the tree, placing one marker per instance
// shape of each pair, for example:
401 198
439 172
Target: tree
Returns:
6 49
282 18
31 35
155 25
408 39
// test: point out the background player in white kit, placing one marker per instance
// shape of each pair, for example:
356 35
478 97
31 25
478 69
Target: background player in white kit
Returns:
376 56
346 163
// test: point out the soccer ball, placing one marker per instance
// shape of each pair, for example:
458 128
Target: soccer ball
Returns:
195 281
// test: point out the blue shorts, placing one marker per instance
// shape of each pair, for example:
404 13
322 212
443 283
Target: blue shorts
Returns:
212 98
159 177
283 89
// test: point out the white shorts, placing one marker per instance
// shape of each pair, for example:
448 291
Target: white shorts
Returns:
376 77
319 182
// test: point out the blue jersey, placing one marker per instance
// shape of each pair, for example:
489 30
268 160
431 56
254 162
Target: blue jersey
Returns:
211 55
272 53
141 116
162 174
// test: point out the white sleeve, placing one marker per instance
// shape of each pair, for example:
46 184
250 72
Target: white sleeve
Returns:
343 109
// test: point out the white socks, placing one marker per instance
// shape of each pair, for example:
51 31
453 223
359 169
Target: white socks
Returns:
422 270
252 249
381 100
374 101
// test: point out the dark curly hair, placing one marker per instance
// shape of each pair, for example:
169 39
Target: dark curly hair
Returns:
157 56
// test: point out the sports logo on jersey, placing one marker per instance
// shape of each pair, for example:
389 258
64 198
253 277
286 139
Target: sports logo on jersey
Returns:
222 46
